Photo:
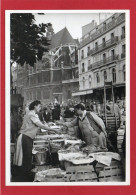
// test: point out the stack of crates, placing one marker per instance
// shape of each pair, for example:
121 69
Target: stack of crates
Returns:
81 173
120 138
114 172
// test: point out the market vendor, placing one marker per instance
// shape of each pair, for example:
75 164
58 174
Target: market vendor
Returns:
91 127
24 144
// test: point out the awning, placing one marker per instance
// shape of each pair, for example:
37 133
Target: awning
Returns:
82 92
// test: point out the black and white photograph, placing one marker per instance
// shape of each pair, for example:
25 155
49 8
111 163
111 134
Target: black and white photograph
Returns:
67 97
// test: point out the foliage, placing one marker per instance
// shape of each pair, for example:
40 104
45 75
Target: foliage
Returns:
28 41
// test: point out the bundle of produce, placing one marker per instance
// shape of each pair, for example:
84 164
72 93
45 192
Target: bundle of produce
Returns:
49 175
105 157
50 137
73 142
91 148
68 155
41 168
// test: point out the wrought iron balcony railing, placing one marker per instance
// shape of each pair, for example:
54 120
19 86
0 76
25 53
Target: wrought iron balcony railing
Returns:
104 45
90 67
108 60
90 37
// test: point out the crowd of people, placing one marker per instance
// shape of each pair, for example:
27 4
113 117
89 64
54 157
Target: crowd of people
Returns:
26 123
53 112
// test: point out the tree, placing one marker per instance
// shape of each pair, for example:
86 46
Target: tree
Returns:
28 41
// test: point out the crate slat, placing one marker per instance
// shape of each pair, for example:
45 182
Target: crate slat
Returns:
80 168
111 179
110 173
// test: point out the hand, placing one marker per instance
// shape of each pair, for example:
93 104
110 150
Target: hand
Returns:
57 131
57 122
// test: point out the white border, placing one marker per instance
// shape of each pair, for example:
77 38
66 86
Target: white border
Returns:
7 95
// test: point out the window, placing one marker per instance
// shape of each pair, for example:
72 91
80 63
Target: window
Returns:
83 82
88 62
123 51
104 58
105 75
112 37
124 73
113 18
104 25
123 32
123 48
112 54
96 46
88 51
103 42
83 67
114 75
97 77
82 54
90 80
89 65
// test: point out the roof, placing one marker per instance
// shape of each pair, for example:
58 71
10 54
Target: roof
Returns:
61 38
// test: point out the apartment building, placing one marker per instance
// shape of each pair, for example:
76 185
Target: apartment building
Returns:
101 55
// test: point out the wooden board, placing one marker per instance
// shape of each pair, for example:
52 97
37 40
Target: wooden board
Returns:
81 173
112 173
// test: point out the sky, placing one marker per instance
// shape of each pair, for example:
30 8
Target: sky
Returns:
73 21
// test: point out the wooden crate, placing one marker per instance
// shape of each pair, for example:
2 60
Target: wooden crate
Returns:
81 173
99 166
111 174
56 178
40 143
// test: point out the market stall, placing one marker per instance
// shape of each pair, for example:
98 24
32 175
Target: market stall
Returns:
65 158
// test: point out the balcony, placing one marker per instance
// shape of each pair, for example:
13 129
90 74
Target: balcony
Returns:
122 36
104 45
88 53
90 67
105 61
123 55
99 32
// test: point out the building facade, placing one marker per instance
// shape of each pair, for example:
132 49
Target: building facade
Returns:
55 77
102 55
